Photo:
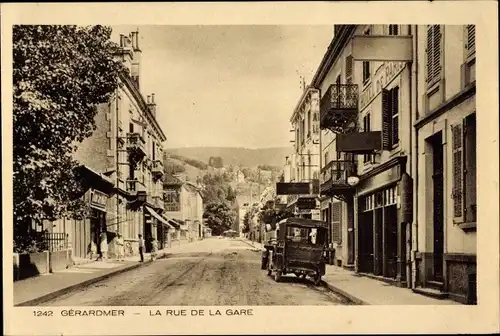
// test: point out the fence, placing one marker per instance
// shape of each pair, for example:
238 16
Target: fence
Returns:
53 241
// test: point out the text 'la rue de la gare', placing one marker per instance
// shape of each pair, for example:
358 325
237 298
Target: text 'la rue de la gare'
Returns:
202 312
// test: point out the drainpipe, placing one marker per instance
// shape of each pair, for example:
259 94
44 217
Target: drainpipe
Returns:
408 226
117 159
416 155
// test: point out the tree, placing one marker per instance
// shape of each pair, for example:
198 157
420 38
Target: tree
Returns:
219 217
60 75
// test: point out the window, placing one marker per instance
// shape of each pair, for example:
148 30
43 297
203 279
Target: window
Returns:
393 30
337 222
131 127
366 128
326 159
390 118
154 151
366 65
470 38
433 54
309 124
348 69
464 170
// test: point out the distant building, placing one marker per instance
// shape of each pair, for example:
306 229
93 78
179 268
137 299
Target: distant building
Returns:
243 205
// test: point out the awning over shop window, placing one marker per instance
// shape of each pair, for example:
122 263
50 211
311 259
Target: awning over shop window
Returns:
158 217
176 224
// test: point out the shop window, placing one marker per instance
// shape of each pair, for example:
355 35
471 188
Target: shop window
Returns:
379 199
464 170
433 54
393 30
390 118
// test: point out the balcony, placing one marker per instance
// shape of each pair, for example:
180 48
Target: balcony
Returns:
333 178
157 168
339 108
136 144
135 186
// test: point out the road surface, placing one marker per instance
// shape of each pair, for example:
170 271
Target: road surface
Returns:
211 272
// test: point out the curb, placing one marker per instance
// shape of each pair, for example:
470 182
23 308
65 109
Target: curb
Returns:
344 294
250 244
62 291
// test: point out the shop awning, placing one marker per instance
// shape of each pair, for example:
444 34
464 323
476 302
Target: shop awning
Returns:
172 221
158 217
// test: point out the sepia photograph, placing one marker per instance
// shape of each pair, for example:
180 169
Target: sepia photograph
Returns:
229 167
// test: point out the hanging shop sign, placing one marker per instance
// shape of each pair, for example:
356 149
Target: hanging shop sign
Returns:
406 191
306 203
98 200
300 188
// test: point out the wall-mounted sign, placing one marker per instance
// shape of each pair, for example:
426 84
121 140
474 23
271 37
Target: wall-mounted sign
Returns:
359 143
172 198
98 199
384 75
306 203
300 188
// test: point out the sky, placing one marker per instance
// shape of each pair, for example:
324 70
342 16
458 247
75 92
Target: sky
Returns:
227 86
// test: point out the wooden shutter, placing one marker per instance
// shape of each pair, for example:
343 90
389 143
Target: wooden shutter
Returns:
471 40
348 69
336 222
395 116
386 119
433 53
458 166
469 157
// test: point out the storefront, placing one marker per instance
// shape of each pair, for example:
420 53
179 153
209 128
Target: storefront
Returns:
380 230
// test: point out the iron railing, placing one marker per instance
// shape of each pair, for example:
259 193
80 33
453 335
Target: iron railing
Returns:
136 141
53 241
157 167
134 185
339 106
335 173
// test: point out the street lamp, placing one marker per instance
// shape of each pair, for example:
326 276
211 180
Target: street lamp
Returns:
353 181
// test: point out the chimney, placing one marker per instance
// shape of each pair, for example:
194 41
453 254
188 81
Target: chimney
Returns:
136 61
152 104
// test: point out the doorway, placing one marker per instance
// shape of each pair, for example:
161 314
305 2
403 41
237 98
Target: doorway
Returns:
391 240
438 204
365 244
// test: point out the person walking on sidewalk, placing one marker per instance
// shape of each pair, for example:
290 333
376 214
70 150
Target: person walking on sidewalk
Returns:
154 249
104 245
141 247
120 248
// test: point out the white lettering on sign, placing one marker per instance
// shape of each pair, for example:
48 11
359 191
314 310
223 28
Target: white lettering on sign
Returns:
384 75
97 198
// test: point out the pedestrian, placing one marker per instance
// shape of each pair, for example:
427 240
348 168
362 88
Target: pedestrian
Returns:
120 248
154 248
92 250
104 245
141 247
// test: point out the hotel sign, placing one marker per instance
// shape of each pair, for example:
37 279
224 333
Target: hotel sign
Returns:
384 75
98 200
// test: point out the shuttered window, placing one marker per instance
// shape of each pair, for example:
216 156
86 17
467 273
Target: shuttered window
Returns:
457 149
390 118
470 35
469 155
393 30
337 222
433 54
366 65
366 128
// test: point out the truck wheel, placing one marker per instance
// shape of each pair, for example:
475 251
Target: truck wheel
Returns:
263 264
317 279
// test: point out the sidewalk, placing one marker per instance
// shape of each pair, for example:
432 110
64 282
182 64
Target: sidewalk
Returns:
366 291
38 289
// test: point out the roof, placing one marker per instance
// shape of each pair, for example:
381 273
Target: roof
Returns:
304 222
169 179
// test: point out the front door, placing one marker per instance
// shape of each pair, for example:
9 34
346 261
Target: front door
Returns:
438 216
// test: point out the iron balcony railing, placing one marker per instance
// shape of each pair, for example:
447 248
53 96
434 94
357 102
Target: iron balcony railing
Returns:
157 167
134 185
339 106
335 174
135 141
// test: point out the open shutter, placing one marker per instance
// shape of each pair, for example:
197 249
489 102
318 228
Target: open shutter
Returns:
386 119
336 222
429 53
348 69
471 40
458 166
436 53
395 116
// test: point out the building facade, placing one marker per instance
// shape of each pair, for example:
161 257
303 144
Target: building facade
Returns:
121 166
184 205
398 183
305 165
446 240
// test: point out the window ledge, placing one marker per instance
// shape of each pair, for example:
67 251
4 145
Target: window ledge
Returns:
468 227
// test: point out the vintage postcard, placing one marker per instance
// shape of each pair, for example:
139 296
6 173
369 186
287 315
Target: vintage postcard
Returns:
250 168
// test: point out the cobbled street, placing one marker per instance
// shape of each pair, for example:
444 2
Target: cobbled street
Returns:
211 272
